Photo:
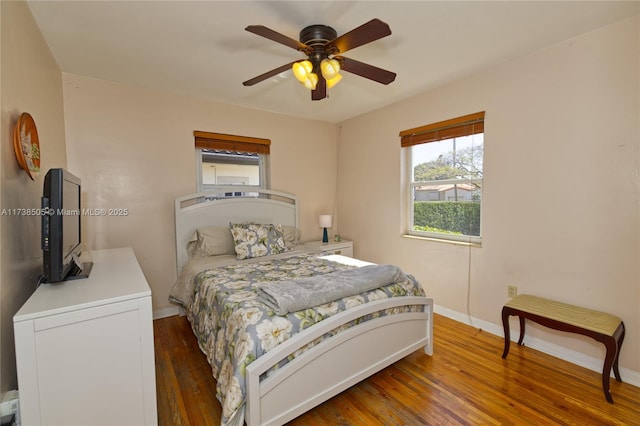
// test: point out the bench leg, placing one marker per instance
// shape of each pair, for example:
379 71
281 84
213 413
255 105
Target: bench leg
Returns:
507 336
521 339
613 345
612 354
616 371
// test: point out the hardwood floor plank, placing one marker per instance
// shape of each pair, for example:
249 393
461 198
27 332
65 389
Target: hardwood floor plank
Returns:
465 382
184 380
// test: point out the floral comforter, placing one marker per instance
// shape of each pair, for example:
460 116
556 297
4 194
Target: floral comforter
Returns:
234 328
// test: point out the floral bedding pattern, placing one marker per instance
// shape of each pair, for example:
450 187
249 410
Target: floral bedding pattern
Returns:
234 328
256 240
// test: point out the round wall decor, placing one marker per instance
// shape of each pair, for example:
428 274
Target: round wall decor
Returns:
27 145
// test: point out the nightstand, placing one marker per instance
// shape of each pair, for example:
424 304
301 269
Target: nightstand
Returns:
344 247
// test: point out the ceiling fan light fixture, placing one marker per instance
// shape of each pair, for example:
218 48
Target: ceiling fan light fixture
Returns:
335 80
302 70
330 68
311 81
324 50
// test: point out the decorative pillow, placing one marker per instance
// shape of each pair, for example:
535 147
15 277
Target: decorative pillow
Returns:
256 240
215 241
291 236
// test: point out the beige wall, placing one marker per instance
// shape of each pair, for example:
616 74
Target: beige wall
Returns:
30 82
134 148
560 214
546 129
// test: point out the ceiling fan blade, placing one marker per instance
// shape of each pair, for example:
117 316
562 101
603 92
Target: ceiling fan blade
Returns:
265 32
320 91
366 70
365 33
268 74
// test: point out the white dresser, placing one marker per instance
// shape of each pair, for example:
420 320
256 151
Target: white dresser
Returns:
84 348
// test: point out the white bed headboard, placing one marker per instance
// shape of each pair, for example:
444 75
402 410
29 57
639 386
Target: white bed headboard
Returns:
230 204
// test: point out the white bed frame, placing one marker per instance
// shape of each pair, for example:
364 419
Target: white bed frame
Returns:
331 366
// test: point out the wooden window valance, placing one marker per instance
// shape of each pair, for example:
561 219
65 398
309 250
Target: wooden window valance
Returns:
208 140
454 128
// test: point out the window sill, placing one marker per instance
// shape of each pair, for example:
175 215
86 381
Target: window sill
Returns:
442 240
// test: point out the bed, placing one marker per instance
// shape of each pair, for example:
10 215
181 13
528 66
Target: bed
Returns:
299 357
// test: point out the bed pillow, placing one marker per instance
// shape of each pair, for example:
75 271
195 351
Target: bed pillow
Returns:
192 250
256 240
215 241
291 236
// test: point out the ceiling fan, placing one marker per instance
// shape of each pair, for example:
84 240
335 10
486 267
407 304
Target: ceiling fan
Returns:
323 48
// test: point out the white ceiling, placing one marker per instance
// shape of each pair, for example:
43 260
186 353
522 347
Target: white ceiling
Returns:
200 48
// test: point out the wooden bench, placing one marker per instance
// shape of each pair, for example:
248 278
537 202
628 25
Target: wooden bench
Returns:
602 327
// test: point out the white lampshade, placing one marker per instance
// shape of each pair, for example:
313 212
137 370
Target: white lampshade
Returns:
326 220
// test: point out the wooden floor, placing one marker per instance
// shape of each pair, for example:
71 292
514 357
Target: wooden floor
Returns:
466 382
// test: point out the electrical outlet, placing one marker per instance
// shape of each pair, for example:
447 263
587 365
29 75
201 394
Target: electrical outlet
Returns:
512 291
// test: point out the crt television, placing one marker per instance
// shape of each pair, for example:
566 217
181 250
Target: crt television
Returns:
61 230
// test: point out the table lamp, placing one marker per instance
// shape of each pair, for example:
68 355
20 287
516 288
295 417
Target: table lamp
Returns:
326 221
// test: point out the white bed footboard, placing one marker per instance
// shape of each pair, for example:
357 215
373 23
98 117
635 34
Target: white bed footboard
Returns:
339 362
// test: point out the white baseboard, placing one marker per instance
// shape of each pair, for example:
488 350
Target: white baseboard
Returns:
168 312
574 357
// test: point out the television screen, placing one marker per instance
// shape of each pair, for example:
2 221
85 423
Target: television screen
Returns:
70 218
61 227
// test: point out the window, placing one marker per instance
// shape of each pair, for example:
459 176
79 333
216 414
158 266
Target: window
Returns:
444 178
225 160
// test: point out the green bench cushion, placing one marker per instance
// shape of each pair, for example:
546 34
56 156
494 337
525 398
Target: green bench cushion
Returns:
589 319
